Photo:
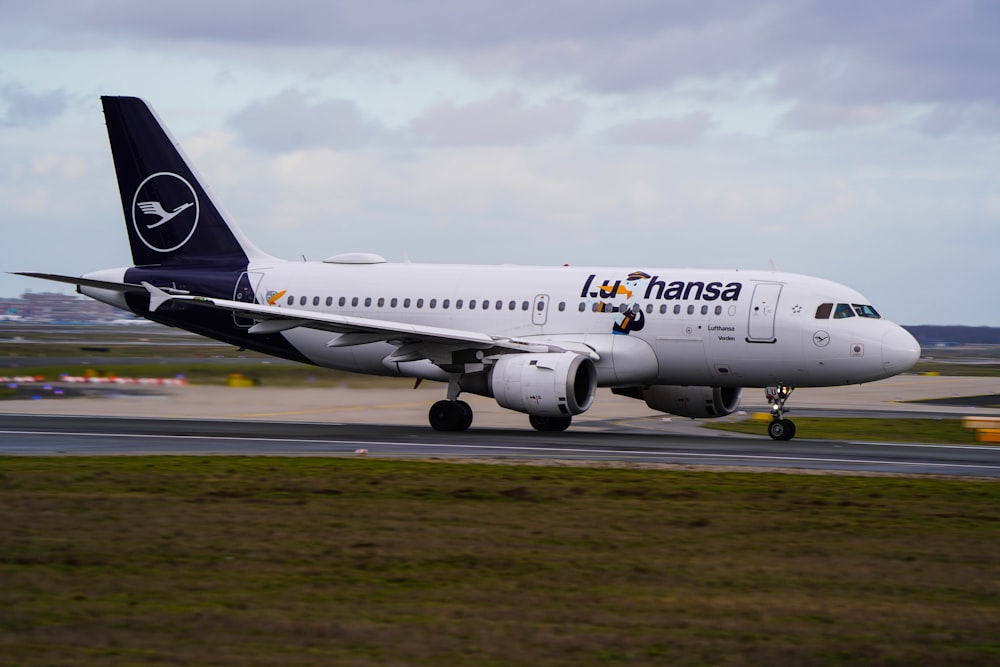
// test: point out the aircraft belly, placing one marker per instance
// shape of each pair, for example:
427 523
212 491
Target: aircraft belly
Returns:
681 354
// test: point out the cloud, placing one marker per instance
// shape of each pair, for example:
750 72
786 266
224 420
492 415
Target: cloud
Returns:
852 52
502 120
949 119
24 108
822 116
686 130
288 122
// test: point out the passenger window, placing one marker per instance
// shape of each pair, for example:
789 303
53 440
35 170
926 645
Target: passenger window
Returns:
704 310
691 309
486 304
499 304
446 303
594 306
432 303
524 305
472 304
562 306
368 302
583 306
512 305
329 301
677 309
302 301
315 300
381 301
420 303
823 311
718 310
291 301
354 302
342 301
663 309
843 310
406 302
394 302
458 304
649 308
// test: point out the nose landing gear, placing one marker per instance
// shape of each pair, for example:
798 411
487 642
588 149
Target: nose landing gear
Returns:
779 428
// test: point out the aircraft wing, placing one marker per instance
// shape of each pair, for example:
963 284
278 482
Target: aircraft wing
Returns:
413 341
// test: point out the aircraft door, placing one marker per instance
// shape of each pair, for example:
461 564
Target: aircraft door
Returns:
245 290
540 309
763 309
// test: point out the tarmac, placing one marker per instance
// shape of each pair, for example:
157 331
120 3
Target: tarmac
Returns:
409 406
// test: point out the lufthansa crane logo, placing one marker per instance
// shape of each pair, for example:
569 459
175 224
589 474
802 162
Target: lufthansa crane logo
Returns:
165 211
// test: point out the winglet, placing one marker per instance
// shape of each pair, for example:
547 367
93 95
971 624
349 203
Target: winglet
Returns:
157 297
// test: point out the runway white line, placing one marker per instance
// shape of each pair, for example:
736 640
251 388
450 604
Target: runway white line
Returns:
566 450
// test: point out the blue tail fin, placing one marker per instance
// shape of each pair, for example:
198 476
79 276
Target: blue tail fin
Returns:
172 220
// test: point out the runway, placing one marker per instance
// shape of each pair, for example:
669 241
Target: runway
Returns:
392 422
631 441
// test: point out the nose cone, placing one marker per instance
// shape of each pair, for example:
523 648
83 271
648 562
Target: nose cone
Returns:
900 350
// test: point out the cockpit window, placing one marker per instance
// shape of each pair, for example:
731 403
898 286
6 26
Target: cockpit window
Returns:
823 311
843 310
864 310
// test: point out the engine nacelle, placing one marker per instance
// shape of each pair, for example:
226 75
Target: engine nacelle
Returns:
689 401
546 384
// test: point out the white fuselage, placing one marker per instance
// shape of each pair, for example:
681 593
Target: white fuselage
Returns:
763 332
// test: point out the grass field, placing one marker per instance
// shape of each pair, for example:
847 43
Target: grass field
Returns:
263 561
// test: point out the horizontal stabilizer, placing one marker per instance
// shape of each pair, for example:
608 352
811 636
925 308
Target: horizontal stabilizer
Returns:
85 282
157 297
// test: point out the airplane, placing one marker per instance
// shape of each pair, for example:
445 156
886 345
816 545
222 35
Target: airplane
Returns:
538 340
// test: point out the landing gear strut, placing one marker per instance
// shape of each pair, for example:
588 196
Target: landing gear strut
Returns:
779 428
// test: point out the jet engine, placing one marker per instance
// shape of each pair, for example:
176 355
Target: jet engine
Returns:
687 401
546 384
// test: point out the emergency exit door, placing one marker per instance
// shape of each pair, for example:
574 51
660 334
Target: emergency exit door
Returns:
763 309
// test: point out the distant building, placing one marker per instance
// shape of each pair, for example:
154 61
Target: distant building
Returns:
57 308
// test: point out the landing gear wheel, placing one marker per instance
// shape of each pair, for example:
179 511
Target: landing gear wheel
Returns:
466 415
549 423
450 416
781 429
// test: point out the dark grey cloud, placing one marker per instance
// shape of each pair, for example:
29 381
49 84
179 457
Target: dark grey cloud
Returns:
848 52
288 121
21 107
680 131
503 120
433 24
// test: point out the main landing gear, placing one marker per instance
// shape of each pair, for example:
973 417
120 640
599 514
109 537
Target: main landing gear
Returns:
549 423
779 428
450 416
455 416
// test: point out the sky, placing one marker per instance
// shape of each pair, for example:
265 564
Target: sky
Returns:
857 141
